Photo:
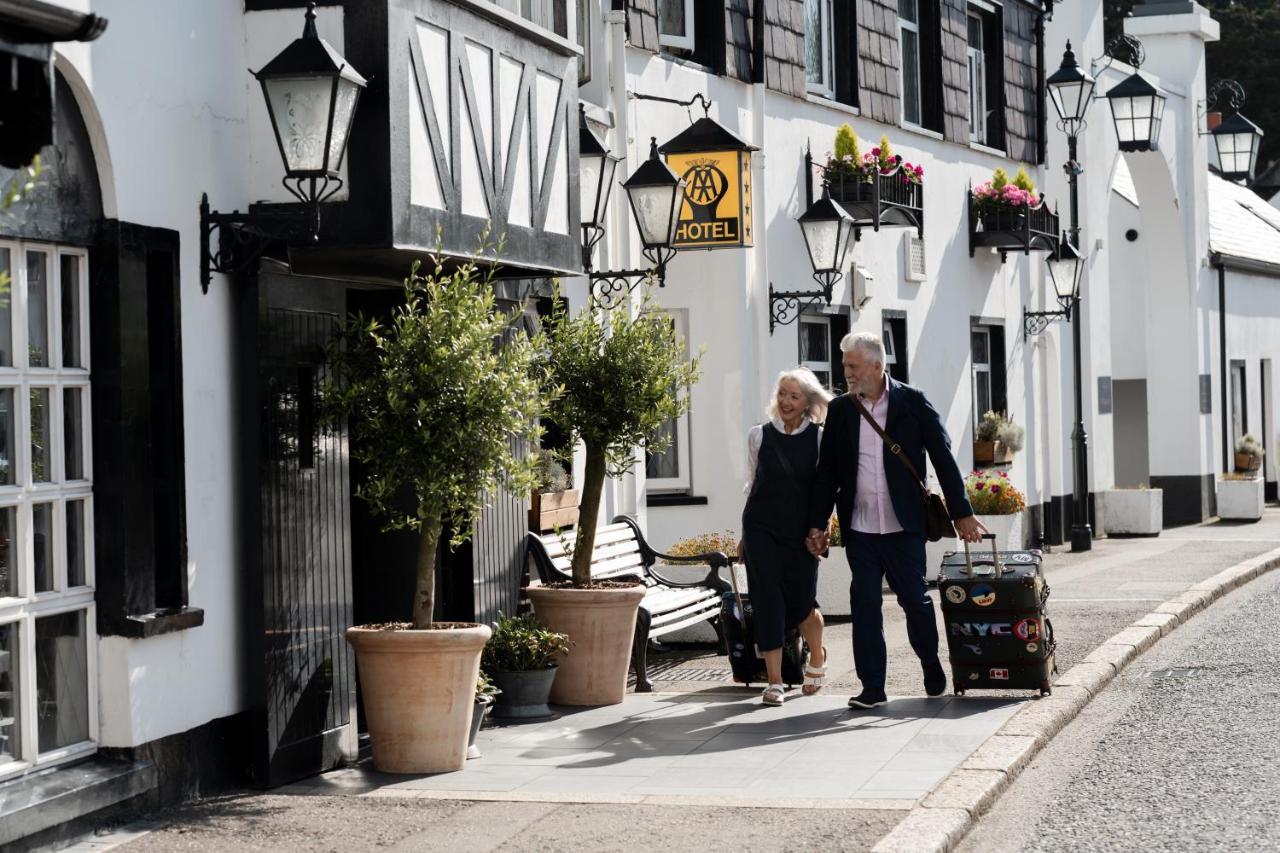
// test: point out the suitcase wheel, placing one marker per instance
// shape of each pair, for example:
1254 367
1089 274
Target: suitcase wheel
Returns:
1046 690
959 691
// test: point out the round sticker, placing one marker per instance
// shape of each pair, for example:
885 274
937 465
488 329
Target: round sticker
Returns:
983 595
955 594
973 676
1027 629
1022 557
1033 648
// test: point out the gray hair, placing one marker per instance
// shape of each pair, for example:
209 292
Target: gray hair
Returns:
868 343
815 395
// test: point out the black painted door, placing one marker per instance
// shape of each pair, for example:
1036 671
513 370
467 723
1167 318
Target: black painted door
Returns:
302 672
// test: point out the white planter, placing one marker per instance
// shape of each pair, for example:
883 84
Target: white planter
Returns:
1008 530
933 554
1240 500
833 583
1138 512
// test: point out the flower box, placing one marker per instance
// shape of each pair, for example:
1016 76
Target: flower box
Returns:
549 510
1133 512
1009 530
1240 499
991 453
1248 462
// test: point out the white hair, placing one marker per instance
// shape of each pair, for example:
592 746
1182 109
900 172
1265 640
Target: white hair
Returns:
870 345
815 395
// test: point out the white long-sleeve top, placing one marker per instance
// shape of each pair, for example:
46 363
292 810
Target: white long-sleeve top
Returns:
755 438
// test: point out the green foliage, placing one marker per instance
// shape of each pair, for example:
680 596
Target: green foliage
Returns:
1023 181
522 644
550 472
989 426
996 426
1249 444
23 184
847 143
616 386
999 178
485 688
886 151
434 400
704 543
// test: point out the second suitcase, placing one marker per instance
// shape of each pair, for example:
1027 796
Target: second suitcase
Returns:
737 625
993 610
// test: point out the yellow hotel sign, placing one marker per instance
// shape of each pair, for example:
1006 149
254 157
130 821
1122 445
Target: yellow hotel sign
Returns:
716 167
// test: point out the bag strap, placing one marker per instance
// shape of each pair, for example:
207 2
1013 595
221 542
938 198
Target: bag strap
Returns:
894 447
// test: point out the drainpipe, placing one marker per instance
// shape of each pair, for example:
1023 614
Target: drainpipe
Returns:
1216 261
755 344
1042 123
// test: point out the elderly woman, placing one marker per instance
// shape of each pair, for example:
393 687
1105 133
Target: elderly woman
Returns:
782 456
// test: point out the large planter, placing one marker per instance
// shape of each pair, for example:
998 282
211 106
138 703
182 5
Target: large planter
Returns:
419 694
601 623
1003 220
477 718
1240 500
549 510
1133 512
1248 462
524 694
991 453
1008 530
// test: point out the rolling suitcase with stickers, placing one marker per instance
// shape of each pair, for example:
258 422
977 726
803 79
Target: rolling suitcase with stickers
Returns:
993 613
736 625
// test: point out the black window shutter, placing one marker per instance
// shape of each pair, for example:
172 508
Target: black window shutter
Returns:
931 109
710 36
845 34
999 383
140 526
993 42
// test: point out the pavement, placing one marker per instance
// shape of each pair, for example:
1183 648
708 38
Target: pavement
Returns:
702 759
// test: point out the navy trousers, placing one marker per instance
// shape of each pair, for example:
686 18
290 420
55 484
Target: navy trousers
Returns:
899 558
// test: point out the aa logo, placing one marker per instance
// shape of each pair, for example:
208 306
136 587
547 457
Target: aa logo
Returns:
705 185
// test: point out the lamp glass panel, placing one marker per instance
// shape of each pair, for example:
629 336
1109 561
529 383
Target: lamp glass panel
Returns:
300 112
595 182
1071 100
654 209
822 237
1063 275
344 108
1235 152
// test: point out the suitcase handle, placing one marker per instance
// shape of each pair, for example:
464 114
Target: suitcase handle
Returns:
996 566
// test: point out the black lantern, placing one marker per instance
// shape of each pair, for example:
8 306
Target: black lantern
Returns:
311 94
828 233
1237 140
596 169
1137 108
1071 89
656 194
1066 266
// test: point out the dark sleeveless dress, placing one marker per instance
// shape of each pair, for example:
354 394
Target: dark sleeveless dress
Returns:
782 574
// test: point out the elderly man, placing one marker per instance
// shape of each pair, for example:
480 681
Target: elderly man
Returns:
881 508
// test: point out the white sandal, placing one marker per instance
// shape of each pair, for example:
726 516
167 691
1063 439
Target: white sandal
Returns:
774 694
814 676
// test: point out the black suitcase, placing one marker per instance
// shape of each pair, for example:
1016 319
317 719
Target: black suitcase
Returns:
993 611
737 626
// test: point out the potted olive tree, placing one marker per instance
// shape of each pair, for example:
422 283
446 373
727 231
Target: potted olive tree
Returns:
521 657
616 386
433 406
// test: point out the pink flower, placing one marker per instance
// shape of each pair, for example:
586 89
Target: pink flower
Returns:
875 152
1003 474
977 487
995 490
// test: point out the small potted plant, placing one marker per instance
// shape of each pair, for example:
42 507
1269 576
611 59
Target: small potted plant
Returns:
522 657
486 690
996 439
851 175
999 506
553 502
1003 204
1248 454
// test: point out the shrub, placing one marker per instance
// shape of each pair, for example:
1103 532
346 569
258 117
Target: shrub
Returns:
1001 194
996 426
551 474
1249 444
704 543
522 644
846 163
833 532
992 494
485 688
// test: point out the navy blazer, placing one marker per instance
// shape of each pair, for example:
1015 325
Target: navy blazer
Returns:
914 423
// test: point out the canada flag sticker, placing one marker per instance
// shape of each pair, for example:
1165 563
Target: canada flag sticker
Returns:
998 674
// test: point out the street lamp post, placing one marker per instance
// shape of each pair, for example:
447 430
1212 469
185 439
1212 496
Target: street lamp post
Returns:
1072 90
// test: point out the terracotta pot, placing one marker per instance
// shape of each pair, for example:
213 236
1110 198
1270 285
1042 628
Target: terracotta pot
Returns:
419 694
1248 462
601 623
991 453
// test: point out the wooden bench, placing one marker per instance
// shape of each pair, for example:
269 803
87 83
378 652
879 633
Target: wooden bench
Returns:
621 553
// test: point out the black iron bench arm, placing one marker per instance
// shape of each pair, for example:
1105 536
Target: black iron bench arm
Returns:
715 559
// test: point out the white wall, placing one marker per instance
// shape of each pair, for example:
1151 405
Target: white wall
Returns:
1253 317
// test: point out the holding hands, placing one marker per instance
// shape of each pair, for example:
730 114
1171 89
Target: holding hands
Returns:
817 541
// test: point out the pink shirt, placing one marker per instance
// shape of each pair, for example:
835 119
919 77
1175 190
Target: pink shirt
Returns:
872 509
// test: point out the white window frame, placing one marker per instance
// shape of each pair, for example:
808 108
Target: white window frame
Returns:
980 369
683 481
680 42
825 86
28 606
904 26
977 64
817 367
